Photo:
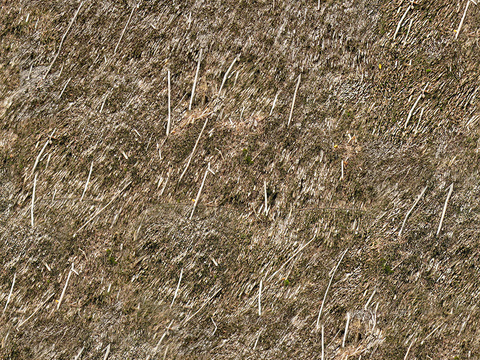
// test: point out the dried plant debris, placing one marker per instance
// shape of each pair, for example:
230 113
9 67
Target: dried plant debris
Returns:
239 179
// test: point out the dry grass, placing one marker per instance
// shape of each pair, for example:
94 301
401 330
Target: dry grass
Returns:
386 109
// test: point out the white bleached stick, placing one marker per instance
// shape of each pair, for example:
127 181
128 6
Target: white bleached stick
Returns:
63 90
274 103
328 287
226 74
408 350
195 81
293 101
10 294
401 21
169 106
197 199
415 105
193 151
63 39
88 180
107 352
65 287
410 211
445 209
49 140
266 204
163 336
178 287
79 353
346 330
463 18
33 201
323 343
260 299
123 31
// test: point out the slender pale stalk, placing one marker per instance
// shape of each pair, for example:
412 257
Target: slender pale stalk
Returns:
123 31
169 105
88 180
323 342
63 39
33 201
260 299
195 81
444 209
10 294
178 287
225 77
65 287
401 21
193 151
346 330
197 199
274 103
293 101
328 287
463 19
410 211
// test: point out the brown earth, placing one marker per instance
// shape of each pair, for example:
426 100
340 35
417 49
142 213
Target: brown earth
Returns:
378 119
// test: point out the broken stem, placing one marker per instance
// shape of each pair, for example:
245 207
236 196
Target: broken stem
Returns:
293 101
260 299
65 287
169 105
226 74
445 209
414 106
49 140
10 294
266 199
401 21
178 287
107 352
193 151
63 90
274 103
163 336
410 211
123 31
195 81
461 21
88 180
328 287
63 39
33 201
346 330
200 190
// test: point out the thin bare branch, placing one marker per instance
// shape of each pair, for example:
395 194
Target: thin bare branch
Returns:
293 101
195 81
63 39
328 287
410 211
445 209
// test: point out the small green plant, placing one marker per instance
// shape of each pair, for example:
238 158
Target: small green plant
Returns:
286 282
386 268
247 157
111 258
